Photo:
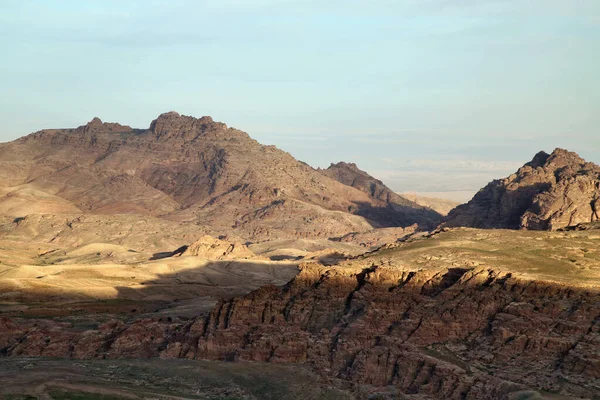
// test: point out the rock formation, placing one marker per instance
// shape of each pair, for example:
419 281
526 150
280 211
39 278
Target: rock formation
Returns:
453 334
194 170
552 191
218 249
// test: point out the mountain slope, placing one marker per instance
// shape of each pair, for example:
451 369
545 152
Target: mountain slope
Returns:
550 192
399 211
192 170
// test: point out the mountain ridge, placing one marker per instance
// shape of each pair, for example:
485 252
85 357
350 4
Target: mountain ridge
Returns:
197 170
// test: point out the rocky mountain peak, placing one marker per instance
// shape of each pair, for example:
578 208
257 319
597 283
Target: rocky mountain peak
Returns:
196 169
349 174
95 122
552 191
169 114
538 160
561 158
171 124
343 164
97 126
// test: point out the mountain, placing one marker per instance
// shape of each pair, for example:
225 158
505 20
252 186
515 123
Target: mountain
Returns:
399 211
550 192
187 170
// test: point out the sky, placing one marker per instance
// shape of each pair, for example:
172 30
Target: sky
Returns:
427 95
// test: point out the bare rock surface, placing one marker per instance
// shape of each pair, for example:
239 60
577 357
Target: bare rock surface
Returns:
218 249
552 191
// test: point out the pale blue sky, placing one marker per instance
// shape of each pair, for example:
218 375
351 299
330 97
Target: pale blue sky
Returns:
428 95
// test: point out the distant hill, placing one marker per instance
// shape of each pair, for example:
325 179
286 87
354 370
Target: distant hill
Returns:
440 205
550 192
399 210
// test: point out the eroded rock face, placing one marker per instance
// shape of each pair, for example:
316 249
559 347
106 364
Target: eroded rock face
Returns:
425 332
218 249
173 125
550 192
451 333
97 126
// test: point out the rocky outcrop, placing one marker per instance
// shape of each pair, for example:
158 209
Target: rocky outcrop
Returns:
172 125
452 333
97 126
218 249
552 191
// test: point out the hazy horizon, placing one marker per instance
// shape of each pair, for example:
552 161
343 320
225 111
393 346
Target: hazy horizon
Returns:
428 96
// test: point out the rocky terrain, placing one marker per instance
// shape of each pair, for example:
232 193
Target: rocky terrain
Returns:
377 237
458 314
190 170
157 257
552 191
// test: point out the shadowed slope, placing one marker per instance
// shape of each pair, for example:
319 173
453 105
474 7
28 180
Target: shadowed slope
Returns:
28 379
398 211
